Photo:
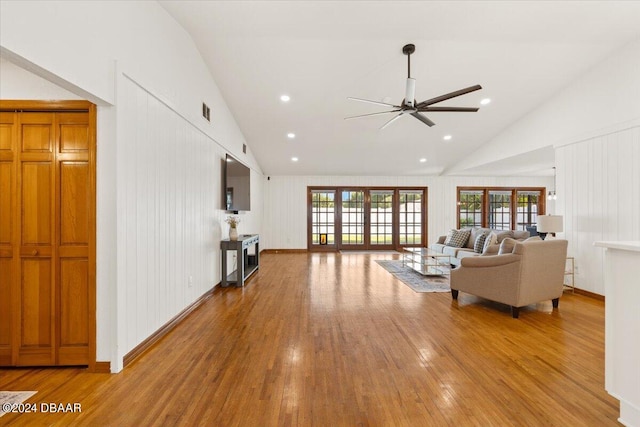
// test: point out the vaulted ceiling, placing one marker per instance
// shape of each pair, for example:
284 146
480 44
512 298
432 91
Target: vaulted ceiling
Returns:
321 52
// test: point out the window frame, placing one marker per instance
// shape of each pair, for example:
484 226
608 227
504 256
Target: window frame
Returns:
485 211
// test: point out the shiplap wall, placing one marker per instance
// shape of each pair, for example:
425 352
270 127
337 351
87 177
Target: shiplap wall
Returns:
599 197
169 218
285 201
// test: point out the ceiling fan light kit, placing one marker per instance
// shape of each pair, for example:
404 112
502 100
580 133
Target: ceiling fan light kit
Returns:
409 105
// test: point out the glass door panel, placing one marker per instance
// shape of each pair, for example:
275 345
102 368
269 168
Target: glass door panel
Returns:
352 218
410 213
381 218
323 230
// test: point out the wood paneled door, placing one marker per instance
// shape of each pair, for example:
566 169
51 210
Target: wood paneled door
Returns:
47 233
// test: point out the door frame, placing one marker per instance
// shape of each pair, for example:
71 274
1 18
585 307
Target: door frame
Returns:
57 106
338 217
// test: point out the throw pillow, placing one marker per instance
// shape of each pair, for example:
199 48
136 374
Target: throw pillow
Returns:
507 245
504 234
492 239
457 238
478 246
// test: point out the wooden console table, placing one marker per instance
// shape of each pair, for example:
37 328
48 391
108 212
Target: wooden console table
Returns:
247 264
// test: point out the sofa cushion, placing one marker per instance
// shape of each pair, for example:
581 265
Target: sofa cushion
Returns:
450 250
474 233
457 238
438 247
507 245
532 239
503 234
478 245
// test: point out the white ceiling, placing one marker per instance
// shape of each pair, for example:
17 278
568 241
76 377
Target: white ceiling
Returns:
321 52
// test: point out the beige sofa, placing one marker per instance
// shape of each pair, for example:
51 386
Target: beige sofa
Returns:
533 272
466 250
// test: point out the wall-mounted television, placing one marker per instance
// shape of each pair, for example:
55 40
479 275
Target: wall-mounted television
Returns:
237 185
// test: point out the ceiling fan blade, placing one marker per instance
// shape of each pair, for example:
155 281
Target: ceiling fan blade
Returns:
371 114
393 119
448 96
423 119
373 102
453 109
410 92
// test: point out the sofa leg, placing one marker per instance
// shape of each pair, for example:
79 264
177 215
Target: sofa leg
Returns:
555 302
454 293
515 312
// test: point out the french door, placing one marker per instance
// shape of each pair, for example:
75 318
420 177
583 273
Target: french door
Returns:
357 218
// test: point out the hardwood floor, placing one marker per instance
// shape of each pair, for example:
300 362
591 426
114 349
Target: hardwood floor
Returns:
333 340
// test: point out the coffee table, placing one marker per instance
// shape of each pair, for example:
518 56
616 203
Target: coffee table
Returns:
426 261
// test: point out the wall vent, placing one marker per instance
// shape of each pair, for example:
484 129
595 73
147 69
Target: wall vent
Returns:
244 148
206 112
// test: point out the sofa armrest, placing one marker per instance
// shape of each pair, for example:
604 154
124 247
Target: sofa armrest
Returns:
489 260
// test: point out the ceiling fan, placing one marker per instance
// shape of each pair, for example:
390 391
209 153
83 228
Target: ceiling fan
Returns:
409 106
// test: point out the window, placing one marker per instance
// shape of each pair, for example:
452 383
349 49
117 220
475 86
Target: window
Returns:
495 207
500 210
527 209
470 208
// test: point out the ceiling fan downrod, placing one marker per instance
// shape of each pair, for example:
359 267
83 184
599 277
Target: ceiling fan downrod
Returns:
410 90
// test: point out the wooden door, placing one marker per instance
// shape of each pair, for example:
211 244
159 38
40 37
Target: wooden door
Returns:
51 270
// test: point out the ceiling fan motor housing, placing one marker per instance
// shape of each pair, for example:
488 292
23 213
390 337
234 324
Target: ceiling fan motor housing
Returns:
410 92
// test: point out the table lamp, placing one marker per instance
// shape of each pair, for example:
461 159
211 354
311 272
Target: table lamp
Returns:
549 224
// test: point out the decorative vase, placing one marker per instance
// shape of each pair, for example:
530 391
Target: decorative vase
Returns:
233 233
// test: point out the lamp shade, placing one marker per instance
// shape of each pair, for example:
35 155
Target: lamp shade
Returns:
549 224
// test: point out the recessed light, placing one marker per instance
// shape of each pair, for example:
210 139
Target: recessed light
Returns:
285 98
485 101
291 135
447 137
294 159
423 160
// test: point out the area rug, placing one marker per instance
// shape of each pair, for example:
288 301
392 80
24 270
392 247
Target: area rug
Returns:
415 280
9 398
370 252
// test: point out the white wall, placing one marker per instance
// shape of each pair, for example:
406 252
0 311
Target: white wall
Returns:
149 81
285 201
599 196
605 98
15 83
